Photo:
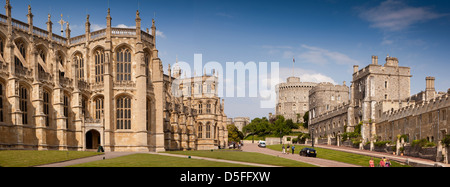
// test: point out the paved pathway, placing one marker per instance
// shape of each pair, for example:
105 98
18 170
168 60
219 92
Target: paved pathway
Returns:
314 161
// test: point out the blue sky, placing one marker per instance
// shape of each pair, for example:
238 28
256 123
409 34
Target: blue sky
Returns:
326 37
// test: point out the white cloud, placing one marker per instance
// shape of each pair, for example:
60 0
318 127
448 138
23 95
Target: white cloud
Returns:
96 27
321 56
123 26
160 34
392 15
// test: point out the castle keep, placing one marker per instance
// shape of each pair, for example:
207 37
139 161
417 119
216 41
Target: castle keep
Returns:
105 87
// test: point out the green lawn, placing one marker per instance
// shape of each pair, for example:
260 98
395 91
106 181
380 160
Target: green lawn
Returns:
151 160
245 157
35 158
339 156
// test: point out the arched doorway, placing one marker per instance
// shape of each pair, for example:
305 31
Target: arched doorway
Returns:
92 139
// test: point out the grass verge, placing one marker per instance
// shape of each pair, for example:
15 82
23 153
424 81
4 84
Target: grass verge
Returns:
35 158
151 160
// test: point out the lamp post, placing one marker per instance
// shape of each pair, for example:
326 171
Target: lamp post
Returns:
312 136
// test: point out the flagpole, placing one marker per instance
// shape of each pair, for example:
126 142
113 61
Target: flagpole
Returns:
293 64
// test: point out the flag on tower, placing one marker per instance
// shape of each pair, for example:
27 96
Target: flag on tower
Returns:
294 59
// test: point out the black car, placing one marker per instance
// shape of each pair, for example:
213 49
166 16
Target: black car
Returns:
308 152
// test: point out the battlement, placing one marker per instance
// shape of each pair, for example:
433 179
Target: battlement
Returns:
415 109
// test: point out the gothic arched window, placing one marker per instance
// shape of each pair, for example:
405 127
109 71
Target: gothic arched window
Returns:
123 65
47 108
79 61
99 107
123 113
1 103
23 95
99 69
208 130
200 131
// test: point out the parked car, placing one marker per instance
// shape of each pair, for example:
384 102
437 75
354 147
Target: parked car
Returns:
308 152
262 144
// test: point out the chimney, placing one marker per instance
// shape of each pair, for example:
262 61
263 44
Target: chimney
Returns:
430 90
355 68
375 60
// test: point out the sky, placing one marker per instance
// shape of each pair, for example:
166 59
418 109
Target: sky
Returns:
326 37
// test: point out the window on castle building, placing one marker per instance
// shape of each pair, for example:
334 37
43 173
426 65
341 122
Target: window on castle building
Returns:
123 113
208 130
84 106
385 84
47 108
22 48
200 108
66 110
1 103
332 97
99 108
99 68
2 45
23 95
208 108
200 131
42 55
79 68
123 65
147 66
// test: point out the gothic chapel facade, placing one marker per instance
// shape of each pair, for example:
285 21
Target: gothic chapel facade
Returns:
105 87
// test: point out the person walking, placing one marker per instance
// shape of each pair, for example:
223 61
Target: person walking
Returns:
293 149
284 150
382 163
387 163
371 163
287 152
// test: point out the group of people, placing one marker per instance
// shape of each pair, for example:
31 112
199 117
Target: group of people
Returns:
286 150
384 162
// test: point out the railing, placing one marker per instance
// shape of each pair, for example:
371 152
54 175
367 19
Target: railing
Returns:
78 39
123 31
59 39
98 34
20 25
40 32
3 18
146 36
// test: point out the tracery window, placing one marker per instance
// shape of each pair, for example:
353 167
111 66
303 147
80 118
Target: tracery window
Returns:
208 130
99 108
66 110
123 65
208 108
47 108
79 61
23 95
200 131
200 108
42 55
123 113
1 103
99 68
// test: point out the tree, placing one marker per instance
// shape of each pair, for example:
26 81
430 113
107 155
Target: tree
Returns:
280 128
234 134
306 120
258 126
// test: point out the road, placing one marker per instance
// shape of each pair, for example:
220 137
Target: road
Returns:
249 147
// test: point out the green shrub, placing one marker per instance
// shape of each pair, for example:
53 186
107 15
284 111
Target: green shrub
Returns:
446 140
